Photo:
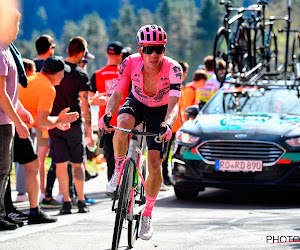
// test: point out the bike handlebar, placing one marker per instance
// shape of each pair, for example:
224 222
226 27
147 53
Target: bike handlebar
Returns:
135 132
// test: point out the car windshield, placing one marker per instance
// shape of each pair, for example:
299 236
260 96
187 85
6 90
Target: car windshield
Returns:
254 100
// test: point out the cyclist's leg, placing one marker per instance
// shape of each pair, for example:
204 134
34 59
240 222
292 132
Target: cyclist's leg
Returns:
120 140
153 185
154 117
120 143
128 117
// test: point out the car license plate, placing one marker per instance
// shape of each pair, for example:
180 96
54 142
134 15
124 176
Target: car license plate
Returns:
237 166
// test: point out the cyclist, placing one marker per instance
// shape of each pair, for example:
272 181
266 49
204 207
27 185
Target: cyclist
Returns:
154 97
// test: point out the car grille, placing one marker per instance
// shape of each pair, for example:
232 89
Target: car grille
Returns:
268 153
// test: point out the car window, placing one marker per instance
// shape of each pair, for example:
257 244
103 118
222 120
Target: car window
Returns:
282 101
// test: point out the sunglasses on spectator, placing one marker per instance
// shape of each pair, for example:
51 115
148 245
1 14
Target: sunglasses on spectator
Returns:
150 49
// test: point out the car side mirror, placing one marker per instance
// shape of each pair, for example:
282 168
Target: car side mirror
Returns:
192 111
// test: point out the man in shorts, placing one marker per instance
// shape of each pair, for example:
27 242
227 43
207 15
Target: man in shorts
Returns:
68 146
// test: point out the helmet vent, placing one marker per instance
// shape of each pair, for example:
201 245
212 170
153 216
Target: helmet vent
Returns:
147 29
160 37
148 37
142 36
154 36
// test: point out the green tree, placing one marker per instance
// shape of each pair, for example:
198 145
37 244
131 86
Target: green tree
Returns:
93 29
210 19
124 28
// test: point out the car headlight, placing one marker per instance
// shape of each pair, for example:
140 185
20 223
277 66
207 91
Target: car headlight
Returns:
186 138
293 142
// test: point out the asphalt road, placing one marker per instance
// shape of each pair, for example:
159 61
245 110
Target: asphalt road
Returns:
218 219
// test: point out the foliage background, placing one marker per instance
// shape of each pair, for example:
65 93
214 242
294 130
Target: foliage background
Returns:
191 25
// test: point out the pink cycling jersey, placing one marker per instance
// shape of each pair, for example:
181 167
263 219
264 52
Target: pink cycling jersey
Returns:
169 80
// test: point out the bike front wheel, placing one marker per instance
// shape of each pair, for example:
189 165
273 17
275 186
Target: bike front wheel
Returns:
123 202
139 200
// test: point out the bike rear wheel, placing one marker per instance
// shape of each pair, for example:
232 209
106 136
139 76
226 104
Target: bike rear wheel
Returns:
258 45
123 202
221 53
139 200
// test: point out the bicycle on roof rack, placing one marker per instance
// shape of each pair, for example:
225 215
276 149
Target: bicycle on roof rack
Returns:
262 50
231 47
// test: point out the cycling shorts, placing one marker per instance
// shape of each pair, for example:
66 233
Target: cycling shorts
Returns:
153 116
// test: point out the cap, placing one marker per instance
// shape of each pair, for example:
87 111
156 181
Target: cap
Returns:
88 54
114 48
55 64
126 50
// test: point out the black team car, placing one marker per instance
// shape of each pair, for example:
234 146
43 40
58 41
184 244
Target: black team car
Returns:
246 136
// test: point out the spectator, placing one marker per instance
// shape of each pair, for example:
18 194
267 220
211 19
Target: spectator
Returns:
45 47
69 145
190 90
211 85
176 126
9 118
104 81
29 66
126 51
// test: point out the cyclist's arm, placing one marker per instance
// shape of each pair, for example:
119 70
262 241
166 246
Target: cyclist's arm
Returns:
114 102
121 86
172 111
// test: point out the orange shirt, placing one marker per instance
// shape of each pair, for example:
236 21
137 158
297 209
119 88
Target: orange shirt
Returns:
189 97
39 94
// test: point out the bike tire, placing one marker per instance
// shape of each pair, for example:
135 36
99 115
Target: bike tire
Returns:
258 45
123 202
242 53
295 53
272 54
134 226
221 53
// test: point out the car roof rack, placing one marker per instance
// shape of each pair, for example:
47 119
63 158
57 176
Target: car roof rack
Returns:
254 77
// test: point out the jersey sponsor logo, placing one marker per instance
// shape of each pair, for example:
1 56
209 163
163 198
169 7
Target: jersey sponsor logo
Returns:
126 108
136 80
157 140
179 75
139 92
122 67
161 93
176 69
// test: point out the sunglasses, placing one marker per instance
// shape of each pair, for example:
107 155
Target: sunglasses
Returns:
150 49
